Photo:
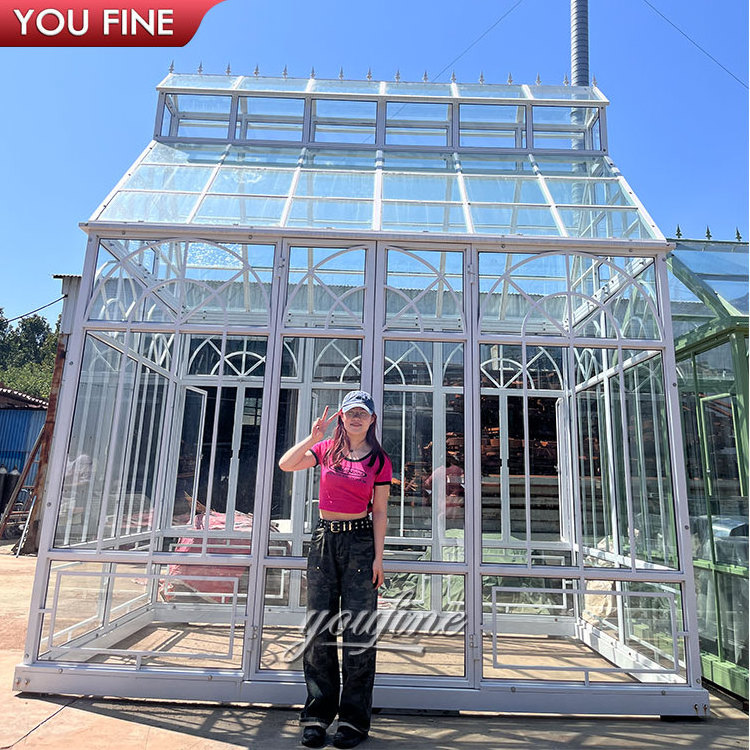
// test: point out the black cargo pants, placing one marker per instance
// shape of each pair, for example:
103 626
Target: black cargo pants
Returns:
340 597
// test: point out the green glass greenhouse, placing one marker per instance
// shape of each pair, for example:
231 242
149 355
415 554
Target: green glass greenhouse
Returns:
471 255
709 298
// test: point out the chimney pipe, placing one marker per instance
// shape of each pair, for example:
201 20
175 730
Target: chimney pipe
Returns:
579 42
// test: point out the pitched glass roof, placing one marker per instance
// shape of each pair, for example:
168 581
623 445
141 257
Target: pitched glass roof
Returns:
709 281
449 158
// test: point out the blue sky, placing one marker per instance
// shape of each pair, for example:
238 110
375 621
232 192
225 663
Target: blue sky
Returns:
75 119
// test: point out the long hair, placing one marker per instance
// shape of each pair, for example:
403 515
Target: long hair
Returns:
340 445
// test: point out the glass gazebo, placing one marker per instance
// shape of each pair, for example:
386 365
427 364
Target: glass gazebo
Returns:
471 255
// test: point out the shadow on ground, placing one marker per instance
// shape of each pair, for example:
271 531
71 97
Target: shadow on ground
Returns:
207 726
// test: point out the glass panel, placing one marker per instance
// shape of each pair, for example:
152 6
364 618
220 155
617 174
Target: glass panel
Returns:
185 153
135 468
162 177
420 624
205 281
181 616
633 304
128 205
326 287
100 397
429 187
423 433
343 121
575 166
605 223
733 602
495 164
252 181
525 514
697 490
606 631
503 190
283 629
356 87
196 116
424 289
493 90
188 460
340 214
226 209
261 83
595 488
403 161
315 373
331 184
588 192
417 124
214 496
644 474
417 89
492 125
339 159
523 293
717 387
258 156
201 81
563 127
116 293
423 217
507 220
269 119
706 600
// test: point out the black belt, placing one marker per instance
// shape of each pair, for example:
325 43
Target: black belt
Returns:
338 525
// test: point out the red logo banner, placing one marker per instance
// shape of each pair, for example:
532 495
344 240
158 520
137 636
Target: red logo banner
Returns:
101 23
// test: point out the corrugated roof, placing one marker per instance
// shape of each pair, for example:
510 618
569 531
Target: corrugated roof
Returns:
10 399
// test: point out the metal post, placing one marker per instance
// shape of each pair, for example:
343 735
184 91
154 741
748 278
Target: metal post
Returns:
579 42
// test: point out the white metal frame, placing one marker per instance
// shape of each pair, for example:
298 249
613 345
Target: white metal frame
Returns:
472 691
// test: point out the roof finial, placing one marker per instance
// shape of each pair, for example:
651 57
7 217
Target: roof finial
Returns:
481 76
256 72
566 82
229 69
369 74
593 81
341 73
678 232
425 77
285 73
398 76
737 234
171 67
312 72
510 78
708 232
453 76
200 68
538 79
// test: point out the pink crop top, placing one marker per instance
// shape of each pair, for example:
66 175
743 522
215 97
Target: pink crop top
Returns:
349 487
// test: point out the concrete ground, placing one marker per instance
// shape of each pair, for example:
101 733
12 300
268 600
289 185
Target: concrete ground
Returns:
31 721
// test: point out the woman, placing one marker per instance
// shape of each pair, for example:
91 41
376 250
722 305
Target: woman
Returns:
344 568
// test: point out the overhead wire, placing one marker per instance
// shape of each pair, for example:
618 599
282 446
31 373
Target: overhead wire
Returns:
692 41
26 315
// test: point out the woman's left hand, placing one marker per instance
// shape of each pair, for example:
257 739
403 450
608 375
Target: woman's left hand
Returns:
378 576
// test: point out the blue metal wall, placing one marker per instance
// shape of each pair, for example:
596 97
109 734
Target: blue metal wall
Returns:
19 428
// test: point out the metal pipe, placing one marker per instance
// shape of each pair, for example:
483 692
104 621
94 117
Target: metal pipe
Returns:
579 42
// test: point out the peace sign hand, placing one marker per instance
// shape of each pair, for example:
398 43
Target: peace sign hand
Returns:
320 425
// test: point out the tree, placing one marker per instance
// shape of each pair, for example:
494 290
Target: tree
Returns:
27 354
